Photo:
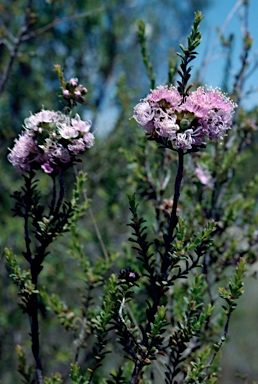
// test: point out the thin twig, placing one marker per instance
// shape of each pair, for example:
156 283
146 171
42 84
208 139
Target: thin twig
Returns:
252 90
24 36
240 76
102 245
173 217
130 313
79 341
7 44
60 21
208 58
254 61
24 28
222 339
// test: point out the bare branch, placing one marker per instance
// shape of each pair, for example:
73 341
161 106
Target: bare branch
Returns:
102 245
209 58
60 21
7 44
23 35
17 43
240 76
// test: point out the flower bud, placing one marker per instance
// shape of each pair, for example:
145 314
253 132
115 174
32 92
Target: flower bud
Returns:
184 124
66 93
77 93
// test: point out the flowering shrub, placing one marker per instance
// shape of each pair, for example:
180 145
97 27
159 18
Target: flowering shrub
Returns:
185 121
161 307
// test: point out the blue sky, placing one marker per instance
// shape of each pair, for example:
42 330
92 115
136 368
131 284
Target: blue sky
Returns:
222 15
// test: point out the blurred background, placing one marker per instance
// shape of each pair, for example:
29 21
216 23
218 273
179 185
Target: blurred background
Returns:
97 42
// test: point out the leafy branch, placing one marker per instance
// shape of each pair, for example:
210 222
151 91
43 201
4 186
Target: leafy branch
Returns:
145 57
234 292
188 55
140 235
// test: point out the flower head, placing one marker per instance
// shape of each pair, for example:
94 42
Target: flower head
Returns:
50 140
77 93
143 114
47 168
73 81
162 95
43 118
79 125
184 140
203 100
66 93
23 152
72 90
77 146
165 125
88 139
204 114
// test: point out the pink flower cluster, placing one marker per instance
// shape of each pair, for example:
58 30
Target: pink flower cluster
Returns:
205 113
74 90
50 140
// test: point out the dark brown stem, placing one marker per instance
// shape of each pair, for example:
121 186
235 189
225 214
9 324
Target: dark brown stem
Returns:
173 217
27 254
36 266
26 216
223 338
32 308
34 326
137 369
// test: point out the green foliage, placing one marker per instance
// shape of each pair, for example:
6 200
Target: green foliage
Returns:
56 379
22 278
194 318
117 378
183 249
235 290
145 57
101 324
25 372
75 375
197 369
79 208
140 233
65 315
189 54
